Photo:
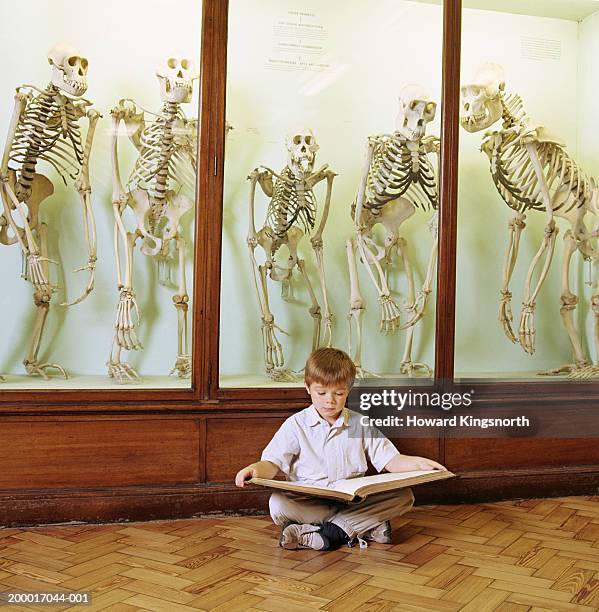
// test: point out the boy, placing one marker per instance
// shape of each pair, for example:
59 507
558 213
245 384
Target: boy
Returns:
325 443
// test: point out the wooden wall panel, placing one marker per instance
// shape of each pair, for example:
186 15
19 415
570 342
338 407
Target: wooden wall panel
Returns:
465 455
233 443
98 453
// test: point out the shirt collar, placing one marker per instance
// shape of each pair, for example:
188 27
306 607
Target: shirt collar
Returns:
313 418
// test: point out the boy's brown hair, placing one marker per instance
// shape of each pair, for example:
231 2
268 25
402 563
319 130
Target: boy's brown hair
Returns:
330 367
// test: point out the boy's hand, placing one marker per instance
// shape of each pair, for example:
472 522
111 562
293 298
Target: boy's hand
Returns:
245 474
410 463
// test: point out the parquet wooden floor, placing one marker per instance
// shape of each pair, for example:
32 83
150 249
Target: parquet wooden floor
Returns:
536 555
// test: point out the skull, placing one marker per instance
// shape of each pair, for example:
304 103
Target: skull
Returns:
69 69
301 146
176 77
481 100
415 111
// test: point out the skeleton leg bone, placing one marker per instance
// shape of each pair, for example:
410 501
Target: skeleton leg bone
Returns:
315 308
181 301
569 301
41 297
408 366
125 336
357 307
273 351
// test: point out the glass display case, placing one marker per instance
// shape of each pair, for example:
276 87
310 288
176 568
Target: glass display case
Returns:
527 280
68 205
333 107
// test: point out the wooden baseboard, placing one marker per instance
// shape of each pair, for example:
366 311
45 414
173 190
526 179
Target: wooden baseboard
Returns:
172 502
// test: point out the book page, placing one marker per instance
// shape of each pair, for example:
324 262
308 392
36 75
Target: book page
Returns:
351 485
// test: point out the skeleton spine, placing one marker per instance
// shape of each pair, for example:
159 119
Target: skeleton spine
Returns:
170 112
46 106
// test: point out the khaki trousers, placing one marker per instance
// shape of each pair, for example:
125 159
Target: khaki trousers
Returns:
355 520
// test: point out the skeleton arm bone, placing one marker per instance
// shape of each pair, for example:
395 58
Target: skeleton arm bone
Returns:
390 312
527 325
317 245
362 190
134 121
422 298
89 222
21 100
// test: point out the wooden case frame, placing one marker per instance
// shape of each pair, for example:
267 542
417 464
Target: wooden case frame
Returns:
216 430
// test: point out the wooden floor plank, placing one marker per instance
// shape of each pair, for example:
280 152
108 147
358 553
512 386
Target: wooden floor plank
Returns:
532 555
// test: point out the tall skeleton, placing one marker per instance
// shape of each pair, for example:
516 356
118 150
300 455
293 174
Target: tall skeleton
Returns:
532 171
163 175
45 128
398 177
291 212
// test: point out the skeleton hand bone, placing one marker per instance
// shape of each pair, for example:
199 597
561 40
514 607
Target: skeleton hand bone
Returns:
527 331
126 337
36 274
505 315
318 176
390 315
125 109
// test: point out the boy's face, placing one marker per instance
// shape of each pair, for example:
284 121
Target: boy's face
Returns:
328 401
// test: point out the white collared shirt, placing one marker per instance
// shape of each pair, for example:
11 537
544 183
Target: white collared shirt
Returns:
306 448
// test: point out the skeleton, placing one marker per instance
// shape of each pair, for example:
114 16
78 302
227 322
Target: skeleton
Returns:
398 177
156 194
532 171
292 211
45 128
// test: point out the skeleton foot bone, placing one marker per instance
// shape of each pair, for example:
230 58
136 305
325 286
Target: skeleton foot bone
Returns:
282 375
122 372
567 368
584 373
34 368
182 366
411 368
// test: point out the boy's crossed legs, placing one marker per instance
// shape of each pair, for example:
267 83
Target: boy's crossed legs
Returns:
323 525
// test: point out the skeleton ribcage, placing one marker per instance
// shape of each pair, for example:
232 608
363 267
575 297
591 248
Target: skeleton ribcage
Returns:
515 178
291 203
48 131
396 171
163 159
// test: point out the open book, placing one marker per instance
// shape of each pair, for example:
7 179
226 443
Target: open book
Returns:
353 490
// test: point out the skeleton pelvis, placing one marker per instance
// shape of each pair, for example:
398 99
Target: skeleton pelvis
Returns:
271 243
154 216
41 188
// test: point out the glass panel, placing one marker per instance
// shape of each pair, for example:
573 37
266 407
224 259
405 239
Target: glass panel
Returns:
527 201
69 61
308 83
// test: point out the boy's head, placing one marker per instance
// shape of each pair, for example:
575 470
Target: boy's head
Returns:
328 367
329 375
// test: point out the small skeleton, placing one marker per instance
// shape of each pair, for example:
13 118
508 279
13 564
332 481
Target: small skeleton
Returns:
164 173
291 212
398 177
45 128
532 171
